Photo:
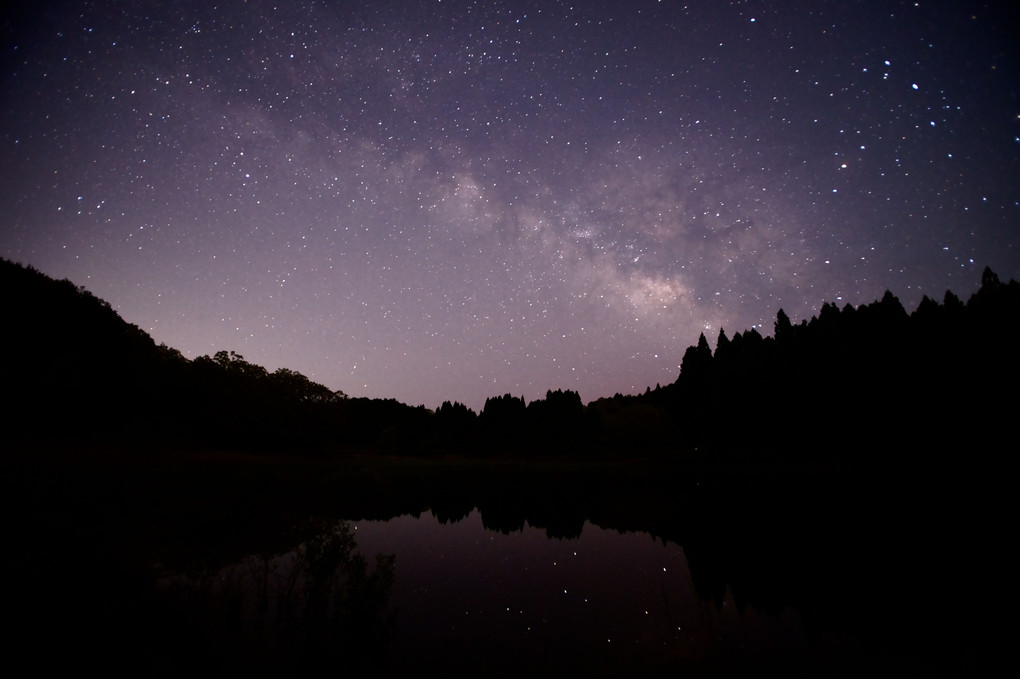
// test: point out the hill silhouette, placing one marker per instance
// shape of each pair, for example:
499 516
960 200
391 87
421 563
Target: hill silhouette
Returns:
846 465
858 379
75 372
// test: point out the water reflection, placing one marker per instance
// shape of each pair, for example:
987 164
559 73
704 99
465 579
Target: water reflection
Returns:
606 603
466 599
505 570
317 608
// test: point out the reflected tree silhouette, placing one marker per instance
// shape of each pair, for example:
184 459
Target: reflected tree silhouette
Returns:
318 608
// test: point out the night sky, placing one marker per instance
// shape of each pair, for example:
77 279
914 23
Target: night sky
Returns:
450 200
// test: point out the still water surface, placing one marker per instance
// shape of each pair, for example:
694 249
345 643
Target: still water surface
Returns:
802 579
465 597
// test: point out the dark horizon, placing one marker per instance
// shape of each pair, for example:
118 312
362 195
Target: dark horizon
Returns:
881 370
844 475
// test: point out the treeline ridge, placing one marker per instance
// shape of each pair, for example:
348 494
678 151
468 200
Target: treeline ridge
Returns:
848 378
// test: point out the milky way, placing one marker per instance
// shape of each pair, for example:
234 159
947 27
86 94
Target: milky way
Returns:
436 201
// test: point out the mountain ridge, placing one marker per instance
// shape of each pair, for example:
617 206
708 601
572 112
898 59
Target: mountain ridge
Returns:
75 370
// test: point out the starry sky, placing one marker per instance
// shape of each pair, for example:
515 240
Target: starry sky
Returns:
450 200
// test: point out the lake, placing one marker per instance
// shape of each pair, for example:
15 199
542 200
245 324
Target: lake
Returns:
606 603
266 567
467 600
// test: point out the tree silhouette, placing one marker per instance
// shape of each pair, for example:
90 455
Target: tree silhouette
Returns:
555 422
783 327
696 363
502 422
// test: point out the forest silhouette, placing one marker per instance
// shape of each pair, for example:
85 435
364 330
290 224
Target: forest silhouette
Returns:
844 462
848 380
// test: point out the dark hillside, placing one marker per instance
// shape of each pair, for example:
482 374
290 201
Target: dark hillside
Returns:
74 371
72 367
845 387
